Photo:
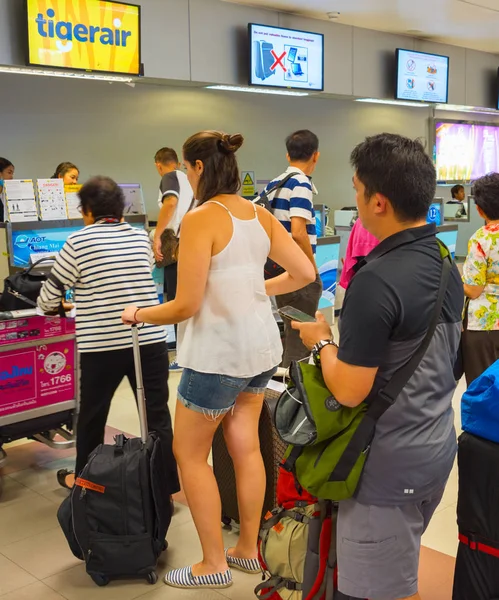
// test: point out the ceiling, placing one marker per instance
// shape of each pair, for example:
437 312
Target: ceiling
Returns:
468 23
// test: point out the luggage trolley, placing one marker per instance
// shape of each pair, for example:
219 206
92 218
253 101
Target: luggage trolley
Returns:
38 380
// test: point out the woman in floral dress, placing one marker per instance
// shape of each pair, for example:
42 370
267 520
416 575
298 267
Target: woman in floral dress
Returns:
481 283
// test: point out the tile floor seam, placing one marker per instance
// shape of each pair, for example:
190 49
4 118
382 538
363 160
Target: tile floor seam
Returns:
23 539
22 569
3 548
24 587
44 581
172 590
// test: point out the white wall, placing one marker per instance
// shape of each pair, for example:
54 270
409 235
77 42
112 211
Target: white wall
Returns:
207 41
114 129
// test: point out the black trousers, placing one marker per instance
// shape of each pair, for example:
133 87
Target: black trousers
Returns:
480 351
101 374
170 287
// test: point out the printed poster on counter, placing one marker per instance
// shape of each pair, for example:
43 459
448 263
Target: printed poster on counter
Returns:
20 200
51 199
37 377
73 200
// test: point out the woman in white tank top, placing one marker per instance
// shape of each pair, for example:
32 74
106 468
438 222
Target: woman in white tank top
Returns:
229 346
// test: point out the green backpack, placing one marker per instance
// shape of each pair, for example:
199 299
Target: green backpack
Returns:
330 443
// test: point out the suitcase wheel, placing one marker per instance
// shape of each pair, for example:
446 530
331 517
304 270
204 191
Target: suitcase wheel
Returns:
152 578
100 580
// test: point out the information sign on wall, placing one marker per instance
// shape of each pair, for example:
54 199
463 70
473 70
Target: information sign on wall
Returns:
94 35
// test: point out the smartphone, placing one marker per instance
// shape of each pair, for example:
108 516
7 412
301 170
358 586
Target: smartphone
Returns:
293 314
292 54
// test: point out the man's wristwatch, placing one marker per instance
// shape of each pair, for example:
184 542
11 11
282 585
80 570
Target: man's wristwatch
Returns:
316 350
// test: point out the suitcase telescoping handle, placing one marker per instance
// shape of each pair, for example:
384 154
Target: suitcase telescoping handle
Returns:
141 398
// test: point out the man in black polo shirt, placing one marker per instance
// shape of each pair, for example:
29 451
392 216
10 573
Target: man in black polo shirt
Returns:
386 313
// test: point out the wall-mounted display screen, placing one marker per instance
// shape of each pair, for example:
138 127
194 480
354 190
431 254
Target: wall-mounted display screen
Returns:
286 58
90 35
465 150
422 77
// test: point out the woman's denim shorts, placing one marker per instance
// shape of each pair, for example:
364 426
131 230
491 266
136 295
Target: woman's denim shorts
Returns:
215 394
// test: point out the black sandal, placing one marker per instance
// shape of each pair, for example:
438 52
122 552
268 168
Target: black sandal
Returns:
61 478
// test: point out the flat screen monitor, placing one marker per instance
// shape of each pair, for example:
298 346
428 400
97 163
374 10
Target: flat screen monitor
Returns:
90 35
465 150
320 219
327 258
134 199
448 235
286 58
436 212
422 77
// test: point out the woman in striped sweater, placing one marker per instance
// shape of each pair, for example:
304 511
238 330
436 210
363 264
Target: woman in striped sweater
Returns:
109 265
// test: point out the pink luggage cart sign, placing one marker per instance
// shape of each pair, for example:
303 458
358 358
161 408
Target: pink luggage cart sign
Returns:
37 377
34 328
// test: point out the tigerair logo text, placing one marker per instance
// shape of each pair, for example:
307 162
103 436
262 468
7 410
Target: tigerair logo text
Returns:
66 32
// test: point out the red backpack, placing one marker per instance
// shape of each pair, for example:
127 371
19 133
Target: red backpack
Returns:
297 551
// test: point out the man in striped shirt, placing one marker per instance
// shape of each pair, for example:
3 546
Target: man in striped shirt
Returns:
108 264
293 205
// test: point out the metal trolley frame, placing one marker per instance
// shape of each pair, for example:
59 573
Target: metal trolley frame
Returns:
53 423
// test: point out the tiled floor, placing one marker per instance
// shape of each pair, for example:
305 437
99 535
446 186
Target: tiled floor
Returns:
36 564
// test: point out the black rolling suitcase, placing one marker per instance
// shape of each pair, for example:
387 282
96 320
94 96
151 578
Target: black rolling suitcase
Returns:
477 563
118 513
272 448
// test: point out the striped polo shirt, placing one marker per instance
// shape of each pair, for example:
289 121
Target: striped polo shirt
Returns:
295 199
109 265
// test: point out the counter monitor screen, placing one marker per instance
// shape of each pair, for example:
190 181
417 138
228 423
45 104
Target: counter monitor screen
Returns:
422 77
134 199
286 58
90 35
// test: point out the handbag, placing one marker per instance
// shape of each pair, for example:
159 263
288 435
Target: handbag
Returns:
21 290
170 244
330 443
271 268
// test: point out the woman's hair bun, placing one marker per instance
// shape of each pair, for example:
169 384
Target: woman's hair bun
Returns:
229 144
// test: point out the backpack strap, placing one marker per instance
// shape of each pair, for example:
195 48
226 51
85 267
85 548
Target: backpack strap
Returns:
478 544
263 198
298 517
388 395
274 584
319 586
294 455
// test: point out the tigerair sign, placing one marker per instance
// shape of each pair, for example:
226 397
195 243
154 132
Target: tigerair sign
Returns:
94 35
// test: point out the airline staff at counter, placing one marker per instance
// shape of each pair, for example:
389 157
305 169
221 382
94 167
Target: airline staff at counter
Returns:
7 170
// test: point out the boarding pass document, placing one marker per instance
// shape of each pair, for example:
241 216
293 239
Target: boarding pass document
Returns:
20 200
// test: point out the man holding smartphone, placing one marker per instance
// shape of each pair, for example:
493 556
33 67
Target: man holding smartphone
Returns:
386 314
293 205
